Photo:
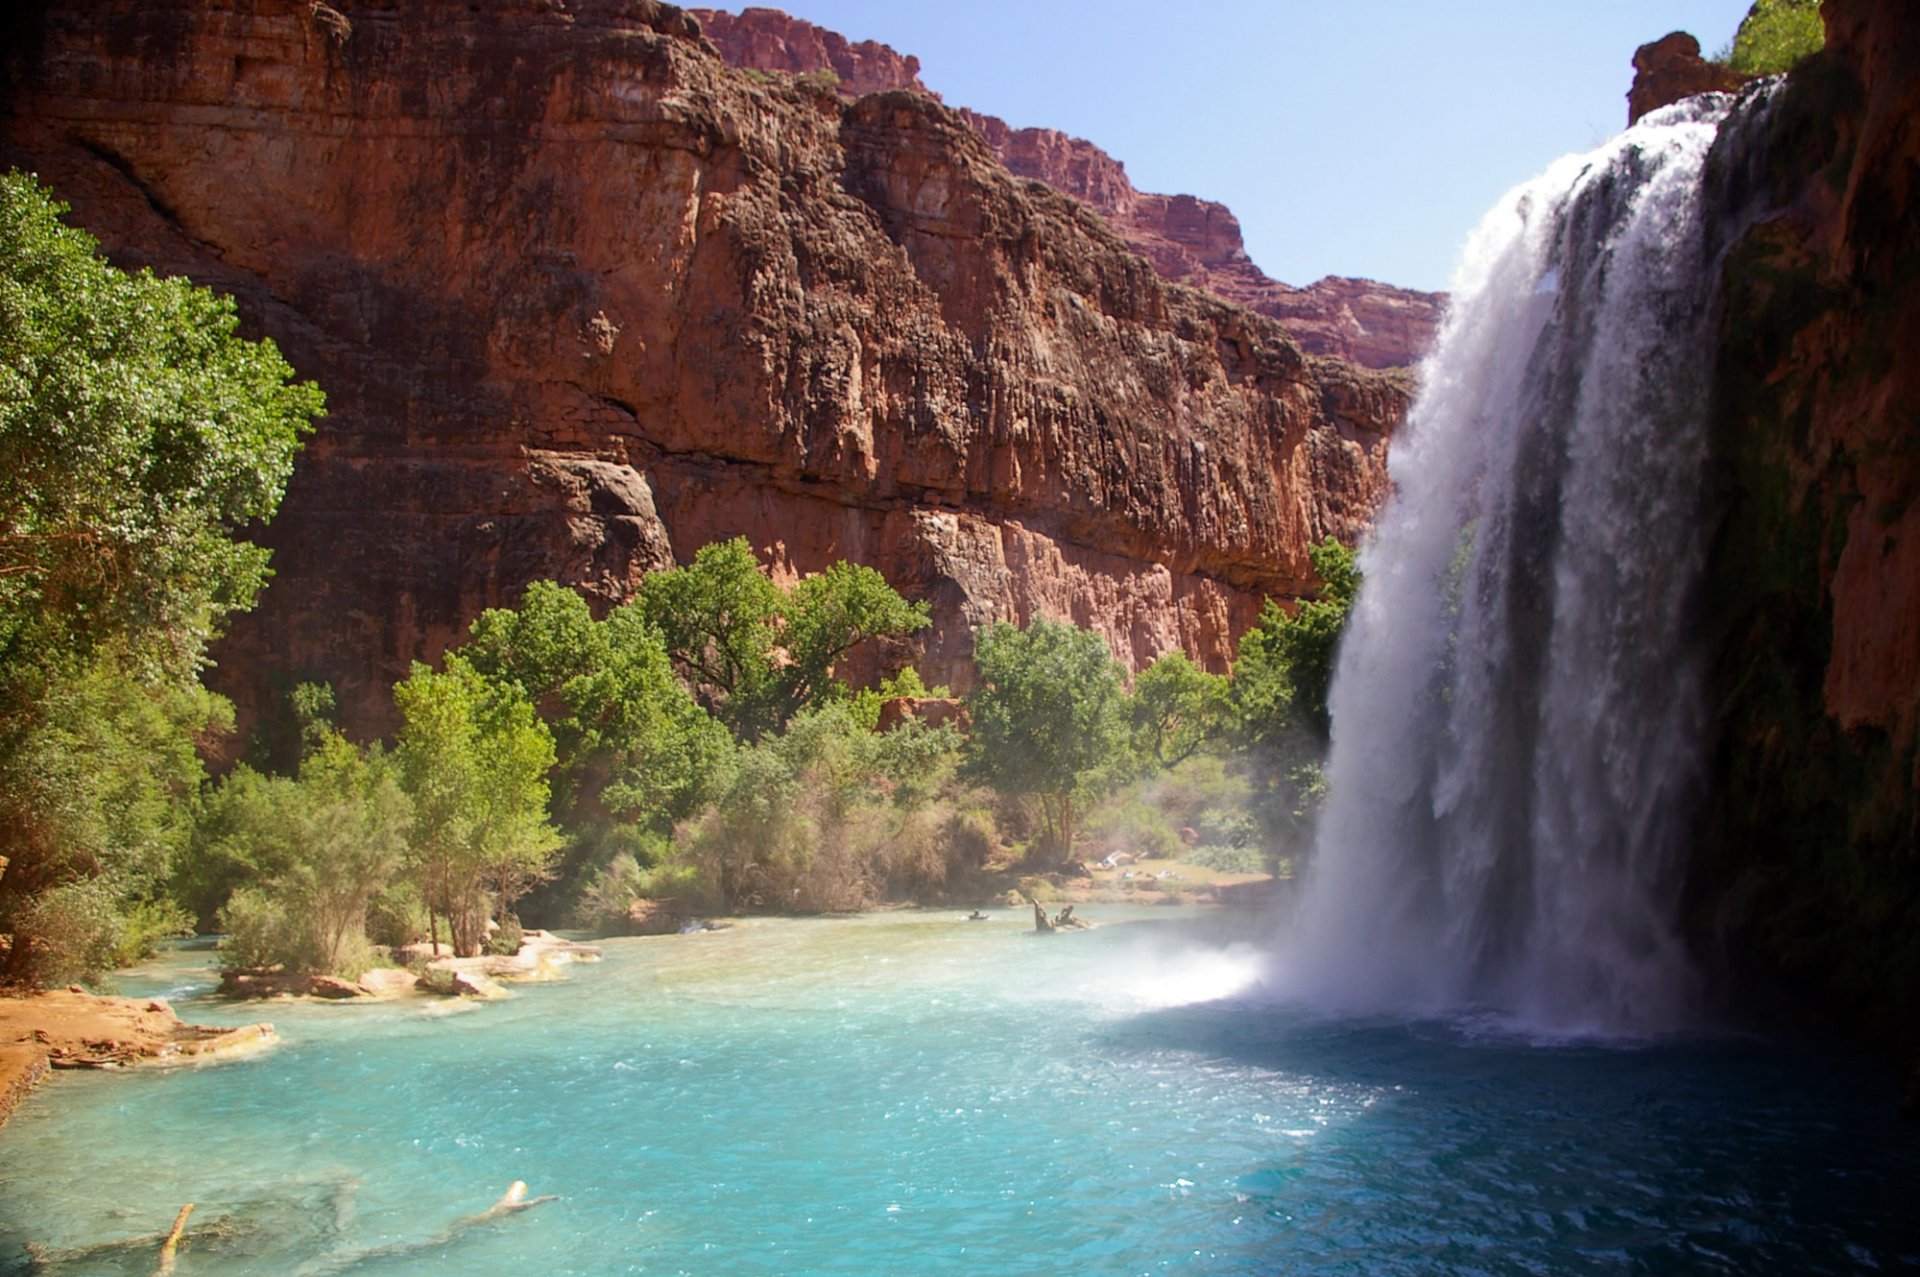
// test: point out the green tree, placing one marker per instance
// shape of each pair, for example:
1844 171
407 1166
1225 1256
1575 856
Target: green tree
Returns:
96 791
474 760
543 644
758 654
297 861
1284 669
1048 717
1775 35
138 437
1177 709
630 721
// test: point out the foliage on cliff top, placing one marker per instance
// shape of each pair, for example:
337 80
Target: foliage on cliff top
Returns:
1774 36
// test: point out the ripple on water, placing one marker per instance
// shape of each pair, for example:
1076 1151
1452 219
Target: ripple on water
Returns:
907 1092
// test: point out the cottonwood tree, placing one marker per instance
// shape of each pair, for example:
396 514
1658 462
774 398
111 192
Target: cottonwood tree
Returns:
474 760
139 435
757 654
1048 715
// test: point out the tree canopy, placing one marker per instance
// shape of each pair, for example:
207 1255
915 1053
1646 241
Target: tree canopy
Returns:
139 436
757 654
1047 716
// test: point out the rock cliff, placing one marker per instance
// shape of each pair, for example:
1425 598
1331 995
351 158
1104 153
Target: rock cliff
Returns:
585 298
1809 882
1671 68
1190 241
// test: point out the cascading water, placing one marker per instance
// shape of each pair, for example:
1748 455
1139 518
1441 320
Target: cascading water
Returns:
1517 713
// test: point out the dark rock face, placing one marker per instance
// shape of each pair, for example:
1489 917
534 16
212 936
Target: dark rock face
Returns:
1809 882
1189 241
1671 68
585 298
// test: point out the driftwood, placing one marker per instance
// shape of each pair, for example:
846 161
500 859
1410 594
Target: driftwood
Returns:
169 1247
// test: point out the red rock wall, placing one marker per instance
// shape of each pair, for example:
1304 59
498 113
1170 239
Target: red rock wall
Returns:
1190 241
584 298
1670 69
1809 873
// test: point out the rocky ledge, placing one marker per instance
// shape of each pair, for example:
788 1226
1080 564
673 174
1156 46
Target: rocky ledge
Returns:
73 1029
1188 240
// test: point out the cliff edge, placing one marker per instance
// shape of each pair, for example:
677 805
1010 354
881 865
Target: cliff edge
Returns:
585 298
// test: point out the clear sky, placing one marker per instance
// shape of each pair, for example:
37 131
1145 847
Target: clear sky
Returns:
1351 137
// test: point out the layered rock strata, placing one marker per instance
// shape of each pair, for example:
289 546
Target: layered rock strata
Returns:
1670 69
1189 240
586 298
1809 879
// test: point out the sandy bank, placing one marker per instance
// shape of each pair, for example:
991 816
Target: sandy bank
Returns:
69 1029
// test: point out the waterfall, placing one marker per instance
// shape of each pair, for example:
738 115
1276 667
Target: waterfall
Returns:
1518 708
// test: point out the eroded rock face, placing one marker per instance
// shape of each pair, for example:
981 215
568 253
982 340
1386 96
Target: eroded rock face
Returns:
1670 69
1808 879
585 298
1190 241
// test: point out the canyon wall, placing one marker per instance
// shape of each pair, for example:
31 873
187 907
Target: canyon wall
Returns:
585 298
1807 888
1189 241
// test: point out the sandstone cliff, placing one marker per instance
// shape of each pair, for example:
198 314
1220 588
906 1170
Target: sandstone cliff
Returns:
1190 241
1809 880
585 298
1670 69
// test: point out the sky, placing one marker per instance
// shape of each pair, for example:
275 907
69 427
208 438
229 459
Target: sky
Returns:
1352 137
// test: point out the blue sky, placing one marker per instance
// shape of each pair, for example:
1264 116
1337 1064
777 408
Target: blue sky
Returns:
1357 137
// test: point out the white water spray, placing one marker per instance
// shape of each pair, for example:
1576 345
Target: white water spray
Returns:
1518 711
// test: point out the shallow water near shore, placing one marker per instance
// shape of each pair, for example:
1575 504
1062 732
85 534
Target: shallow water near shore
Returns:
912 1092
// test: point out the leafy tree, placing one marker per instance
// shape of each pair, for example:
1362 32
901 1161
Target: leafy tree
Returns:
138 437
1177 709
631 721
550 639
1775 35
95 797
474 759
1047 716
302 859
758 654
1285 665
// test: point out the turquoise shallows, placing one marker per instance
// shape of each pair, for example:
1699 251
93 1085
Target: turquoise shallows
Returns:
912 1093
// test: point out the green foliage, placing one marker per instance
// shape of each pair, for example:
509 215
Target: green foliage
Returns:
1775 36
830 816
474 759
1135 826
1048 717
756 654
138 436
542 645
293 866
631 726
1228 859
1178 709
1285 665
95 793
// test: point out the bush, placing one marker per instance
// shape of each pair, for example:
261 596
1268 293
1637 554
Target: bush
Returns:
261 934
507 938
75 933
1776 35
1228 859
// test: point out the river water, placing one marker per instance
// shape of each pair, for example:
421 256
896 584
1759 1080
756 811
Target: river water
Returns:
910 1092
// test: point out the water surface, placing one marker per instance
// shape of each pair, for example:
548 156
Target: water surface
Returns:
909 1092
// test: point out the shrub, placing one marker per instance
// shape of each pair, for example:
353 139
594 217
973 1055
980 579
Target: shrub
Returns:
1774 36
1228 859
